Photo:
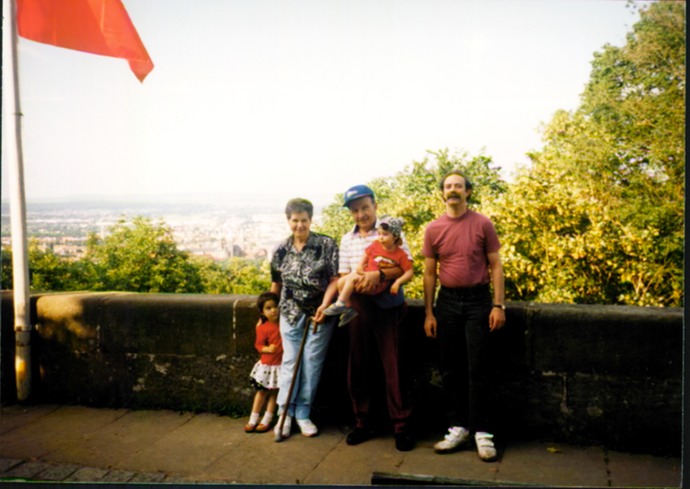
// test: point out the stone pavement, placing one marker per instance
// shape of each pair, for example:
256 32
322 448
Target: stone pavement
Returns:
80 444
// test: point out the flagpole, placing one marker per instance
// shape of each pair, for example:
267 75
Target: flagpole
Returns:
12 145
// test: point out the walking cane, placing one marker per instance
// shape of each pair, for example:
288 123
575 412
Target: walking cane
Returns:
281 422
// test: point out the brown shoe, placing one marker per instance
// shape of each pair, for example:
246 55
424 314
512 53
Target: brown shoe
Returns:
262 428
249 428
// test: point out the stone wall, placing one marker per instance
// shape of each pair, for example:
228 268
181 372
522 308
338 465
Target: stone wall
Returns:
607 375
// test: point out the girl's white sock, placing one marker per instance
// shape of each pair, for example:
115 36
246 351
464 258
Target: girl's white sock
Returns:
266 420
254 418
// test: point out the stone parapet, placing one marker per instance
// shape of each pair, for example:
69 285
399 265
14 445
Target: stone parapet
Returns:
608 375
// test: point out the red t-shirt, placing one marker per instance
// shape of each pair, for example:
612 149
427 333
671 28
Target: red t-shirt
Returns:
461 246
379 257
268 333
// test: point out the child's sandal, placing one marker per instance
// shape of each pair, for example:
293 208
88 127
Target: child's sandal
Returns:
249 428
262 428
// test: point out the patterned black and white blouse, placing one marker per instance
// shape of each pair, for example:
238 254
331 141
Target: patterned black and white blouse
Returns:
304 275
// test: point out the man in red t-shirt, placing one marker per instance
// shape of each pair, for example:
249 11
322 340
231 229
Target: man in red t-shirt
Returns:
461 250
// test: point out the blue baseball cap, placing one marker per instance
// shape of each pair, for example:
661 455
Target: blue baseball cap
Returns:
356 192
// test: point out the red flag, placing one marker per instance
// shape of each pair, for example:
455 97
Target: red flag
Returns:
95 26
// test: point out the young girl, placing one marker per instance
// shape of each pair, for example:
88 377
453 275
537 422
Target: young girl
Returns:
264 375
385 252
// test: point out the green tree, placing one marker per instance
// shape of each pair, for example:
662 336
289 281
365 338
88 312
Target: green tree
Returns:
235 276
6 264
636 94
558 245
47 271
51 272
599 214
141 257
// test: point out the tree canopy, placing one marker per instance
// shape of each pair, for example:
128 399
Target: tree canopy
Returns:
139 256
604 198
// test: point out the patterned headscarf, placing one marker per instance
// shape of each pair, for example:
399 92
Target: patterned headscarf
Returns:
391 224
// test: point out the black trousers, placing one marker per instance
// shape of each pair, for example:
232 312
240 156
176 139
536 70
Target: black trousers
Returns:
462 317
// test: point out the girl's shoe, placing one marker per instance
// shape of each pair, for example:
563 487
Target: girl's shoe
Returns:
262 428
249 428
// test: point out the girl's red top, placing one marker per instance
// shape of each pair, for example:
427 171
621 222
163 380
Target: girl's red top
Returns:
268 333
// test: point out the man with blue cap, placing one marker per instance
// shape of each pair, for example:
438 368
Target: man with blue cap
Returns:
374 333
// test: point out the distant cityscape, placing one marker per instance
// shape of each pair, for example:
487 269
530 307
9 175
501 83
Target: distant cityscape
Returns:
219 230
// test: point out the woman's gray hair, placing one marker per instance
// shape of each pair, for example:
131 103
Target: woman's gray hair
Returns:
297 205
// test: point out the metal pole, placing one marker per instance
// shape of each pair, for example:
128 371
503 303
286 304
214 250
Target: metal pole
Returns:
12 144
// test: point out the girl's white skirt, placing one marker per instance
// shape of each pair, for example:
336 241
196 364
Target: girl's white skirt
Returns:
264 376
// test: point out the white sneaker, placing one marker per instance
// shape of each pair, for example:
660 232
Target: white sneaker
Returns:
456 437
485 446
287 427
307 427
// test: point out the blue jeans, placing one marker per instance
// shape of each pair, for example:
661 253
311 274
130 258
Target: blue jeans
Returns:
462 317
310 368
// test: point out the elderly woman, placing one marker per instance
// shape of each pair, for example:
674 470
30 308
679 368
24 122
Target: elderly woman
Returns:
304 271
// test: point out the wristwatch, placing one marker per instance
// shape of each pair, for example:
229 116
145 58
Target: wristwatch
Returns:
500 306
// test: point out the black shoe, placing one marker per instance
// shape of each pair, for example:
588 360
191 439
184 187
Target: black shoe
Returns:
404 442
357 436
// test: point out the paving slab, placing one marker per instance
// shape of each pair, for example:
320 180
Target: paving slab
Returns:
49 435
12 417
118 476
180 480
8 463
27 470
200 449
87 474
259 459
148 477
639 470
122 439
354 465
58 472
552 464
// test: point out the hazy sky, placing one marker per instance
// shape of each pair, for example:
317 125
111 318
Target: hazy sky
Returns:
304 97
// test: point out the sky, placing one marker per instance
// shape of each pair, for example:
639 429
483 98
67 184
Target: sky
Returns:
253 99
